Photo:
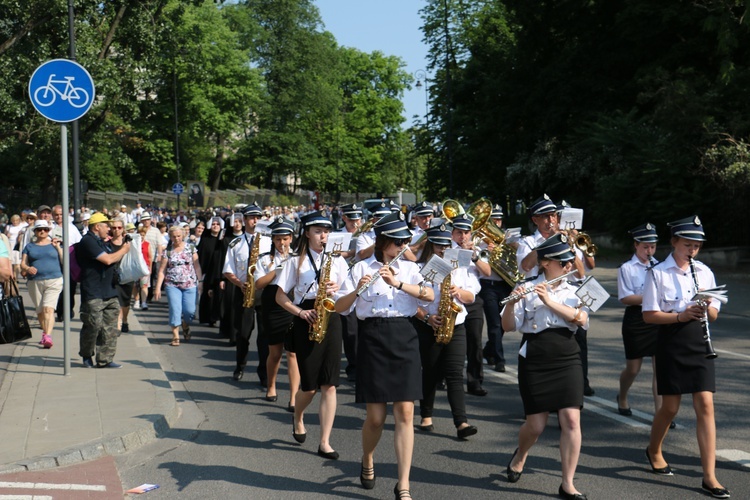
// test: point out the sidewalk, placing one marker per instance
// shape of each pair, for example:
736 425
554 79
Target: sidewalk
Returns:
49 420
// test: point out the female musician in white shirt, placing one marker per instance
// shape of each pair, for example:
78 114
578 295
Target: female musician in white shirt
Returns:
638 337
388 365
275 319
682 366
550 377
439 359
319 363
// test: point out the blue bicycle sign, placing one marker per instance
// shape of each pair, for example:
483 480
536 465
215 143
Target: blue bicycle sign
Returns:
61 90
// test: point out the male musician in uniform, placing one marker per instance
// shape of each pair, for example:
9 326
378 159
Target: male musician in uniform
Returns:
544 215
236 270
236 227
352 217
462 238
423 214
494 289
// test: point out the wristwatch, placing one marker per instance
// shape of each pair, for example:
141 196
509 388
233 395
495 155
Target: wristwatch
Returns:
427 318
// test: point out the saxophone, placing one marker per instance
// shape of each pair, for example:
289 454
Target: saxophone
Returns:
324 305
447 310
252 262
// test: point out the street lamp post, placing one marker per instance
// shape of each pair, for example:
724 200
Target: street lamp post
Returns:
421 75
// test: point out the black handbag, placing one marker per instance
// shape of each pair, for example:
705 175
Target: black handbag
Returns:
14 327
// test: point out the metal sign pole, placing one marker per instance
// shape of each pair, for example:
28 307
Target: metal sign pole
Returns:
66 253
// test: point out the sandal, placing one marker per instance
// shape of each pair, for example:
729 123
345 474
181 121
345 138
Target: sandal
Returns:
186 331
175 342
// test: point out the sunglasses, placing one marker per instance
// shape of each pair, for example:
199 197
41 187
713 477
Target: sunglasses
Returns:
117 227
42 229
404 241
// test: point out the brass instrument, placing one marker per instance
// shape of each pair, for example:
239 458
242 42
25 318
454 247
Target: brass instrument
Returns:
448 311
584 243
451 209
502 259
324 305
252 262
362 229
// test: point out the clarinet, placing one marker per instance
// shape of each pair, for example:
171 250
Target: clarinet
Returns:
710 353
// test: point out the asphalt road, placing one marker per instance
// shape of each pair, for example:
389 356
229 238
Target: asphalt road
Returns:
230 443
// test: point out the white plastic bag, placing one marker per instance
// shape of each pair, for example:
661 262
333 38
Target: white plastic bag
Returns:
133 266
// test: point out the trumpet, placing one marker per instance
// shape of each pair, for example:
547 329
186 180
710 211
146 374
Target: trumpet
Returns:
377 275
582 241
517 295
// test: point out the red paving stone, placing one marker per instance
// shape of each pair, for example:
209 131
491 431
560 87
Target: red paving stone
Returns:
97 472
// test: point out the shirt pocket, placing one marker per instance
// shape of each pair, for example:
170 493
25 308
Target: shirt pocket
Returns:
670 297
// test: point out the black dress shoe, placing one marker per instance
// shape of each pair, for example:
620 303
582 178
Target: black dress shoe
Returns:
330 455
588 391
478 391
290 408
426 428
465 432
272 399
513 476
237 375
367 484
571 496
626 412
300 438
664 471
500 368
401 494
715 492
672 425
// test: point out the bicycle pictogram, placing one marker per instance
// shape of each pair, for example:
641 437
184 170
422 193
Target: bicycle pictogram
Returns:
47 94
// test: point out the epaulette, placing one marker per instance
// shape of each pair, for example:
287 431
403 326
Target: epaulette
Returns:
529 278
264 254
235 241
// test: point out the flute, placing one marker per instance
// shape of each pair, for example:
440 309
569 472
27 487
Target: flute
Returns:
518 295
710 353
377 276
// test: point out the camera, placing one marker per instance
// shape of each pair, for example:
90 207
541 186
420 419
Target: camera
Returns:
127 238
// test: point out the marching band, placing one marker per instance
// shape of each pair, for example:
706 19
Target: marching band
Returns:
405 332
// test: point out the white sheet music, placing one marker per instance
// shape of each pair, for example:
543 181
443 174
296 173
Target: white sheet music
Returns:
338 242
571 218
436 269
592 294
512 234
458 257
718 293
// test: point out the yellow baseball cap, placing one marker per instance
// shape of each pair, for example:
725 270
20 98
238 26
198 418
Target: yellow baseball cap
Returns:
97 218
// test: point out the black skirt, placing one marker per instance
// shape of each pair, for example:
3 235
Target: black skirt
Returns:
124 293
275 319
638 337
550 377
319 364
388 365
681 363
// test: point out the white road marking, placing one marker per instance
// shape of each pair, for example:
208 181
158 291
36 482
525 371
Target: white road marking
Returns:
731 353
25 497
737 456
53 486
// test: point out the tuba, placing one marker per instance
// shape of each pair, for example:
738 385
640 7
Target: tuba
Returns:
451 209
448 311
502 259
324 305
252 262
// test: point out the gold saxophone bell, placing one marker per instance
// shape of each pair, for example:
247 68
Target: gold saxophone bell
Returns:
363 228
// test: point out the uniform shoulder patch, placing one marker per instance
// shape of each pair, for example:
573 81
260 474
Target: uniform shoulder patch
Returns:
235 241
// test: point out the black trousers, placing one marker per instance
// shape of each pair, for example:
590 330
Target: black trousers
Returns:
492 293
474 324
244 323
227 325
442 361
349 334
